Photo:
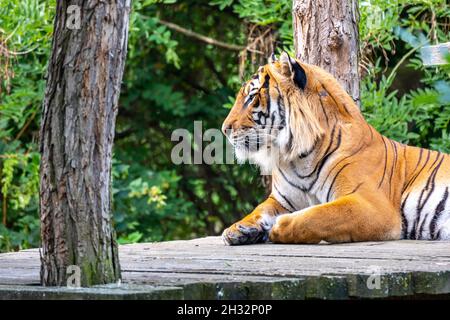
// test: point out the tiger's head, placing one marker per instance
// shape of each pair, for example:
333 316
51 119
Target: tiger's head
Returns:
284 110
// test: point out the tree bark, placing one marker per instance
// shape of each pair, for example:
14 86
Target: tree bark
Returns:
326 35
77 132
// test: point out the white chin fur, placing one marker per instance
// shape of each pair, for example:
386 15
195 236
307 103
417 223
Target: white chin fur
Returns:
265 158
242 155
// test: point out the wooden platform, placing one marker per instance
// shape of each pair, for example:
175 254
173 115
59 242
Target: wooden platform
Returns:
207 269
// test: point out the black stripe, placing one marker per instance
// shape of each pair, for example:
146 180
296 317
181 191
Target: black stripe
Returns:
282 115
259 116
406 183
417 165
290 182
346 110
334 180
337 105
266 86
247 142
308 152
437 213
285 199
412 235
272 119
393 165
421 226
324 159
340 161
299 109
257 141
249 100
280 104
420 171
431 180
435 160
266 82
415 234
317 164
404 220
289 144
385 161
418 161
355 189
323 110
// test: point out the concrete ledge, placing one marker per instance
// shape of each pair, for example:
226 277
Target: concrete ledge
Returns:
206 269
105 292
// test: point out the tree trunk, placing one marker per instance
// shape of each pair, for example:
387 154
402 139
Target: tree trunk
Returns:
326 35
77 132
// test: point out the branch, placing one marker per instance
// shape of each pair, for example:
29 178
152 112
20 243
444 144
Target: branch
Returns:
14 53
25 127
206 39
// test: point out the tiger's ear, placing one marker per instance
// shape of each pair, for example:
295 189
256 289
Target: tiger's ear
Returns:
292 69
272 58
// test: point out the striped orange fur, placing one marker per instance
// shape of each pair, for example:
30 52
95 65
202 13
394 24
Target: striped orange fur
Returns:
334 177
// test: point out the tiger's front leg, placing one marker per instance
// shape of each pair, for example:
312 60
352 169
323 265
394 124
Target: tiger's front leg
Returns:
347 219
254 228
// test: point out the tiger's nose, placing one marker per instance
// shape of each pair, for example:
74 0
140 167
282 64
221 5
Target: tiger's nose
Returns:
227 128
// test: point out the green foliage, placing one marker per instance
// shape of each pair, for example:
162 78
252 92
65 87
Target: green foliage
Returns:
25 35
172 80
420 116
275 13
149 207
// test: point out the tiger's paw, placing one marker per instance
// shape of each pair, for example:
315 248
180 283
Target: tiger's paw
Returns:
294 228
239 234
281 230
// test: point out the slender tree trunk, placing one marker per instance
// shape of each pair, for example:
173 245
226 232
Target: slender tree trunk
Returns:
326 35
77 132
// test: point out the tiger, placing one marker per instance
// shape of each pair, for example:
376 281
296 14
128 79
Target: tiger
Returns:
335 179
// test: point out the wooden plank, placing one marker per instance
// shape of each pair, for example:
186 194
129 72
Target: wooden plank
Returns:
435 55
206 269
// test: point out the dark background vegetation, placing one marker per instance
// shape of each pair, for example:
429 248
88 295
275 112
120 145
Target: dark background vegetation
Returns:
172 80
